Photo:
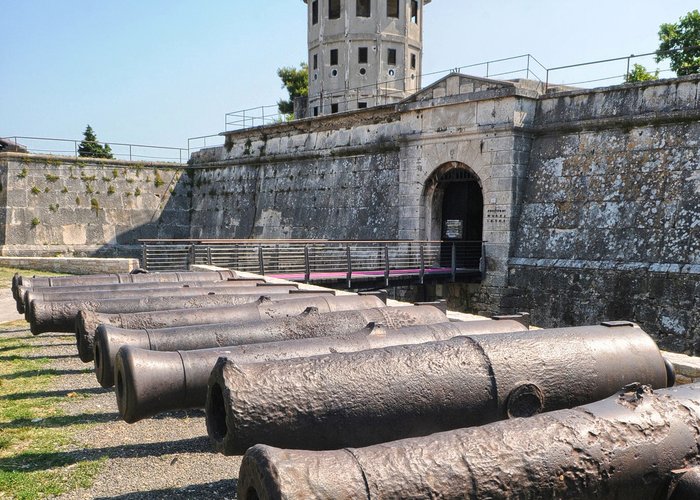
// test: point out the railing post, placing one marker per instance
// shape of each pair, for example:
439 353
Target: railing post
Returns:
527 75
261 260
546 82
307 265
75 147
421 275
144 256
130 152
191 256
209 254
348 259
386 265
454 262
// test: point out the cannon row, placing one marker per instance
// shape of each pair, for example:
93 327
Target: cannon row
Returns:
289 377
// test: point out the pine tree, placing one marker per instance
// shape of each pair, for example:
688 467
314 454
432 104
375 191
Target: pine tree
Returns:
91 147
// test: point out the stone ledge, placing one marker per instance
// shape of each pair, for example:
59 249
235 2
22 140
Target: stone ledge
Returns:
72 265
687 367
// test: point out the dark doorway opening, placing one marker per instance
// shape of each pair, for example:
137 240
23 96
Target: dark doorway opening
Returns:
458 208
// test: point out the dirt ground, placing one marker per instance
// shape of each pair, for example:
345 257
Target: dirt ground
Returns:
165 457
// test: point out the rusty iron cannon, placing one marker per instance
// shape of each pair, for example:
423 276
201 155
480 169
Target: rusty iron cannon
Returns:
261 308
361 398
60 315
625 447
38 300
22 283
150 382
63 292
310 323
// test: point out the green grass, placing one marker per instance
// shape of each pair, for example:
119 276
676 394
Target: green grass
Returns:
35 458
6 274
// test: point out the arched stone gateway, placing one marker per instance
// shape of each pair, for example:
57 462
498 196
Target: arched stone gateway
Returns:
454 211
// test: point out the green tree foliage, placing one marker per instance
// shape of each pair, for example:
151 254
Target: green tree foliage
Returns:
640 74
681 35
90 146
296 81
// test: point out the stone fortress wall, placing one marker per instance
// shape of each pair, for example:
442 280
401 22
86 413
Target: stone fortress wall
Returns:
610 219
591 198
52 205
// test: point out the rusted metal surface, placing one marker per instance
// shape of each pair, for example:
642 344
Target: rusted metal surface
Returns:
54 293
59 315
261 309
22 283
309 324
685 484
362 398
220 288
151 382
624 447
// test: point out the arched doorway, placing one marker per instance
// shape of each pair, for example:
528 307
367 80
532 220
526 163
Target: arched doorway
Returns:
454 210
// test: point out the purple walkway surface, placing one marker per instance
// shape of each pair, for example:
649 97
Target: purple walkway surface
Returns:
360 274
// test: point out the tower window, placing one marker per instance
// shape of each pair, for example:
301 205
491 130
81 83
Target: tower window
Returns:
334 57
414 11
392 8
362 55
334 107
413 61
315 61
391 59
333 9
363 8
314 12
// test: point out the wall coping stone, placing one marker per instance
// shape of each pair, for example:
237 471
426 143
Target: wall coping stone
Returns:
72 265
100 161
653 267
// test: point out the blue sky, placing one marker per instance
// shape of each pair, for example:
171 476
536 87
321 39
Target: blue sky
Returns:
157 72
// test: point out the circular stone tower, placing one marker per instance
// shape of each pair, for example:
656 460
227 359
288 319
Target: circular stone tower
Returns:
363 53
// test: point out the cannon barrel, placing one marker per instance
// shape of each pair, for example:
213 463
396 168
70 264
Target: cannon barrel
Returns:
624 447
258 309
62 292
150 382
175 290
357 399
309 324
21 283
685 484
59 315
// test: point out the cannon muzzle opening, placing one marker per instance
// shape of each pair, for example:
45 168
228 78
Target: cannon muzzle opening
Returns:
164 389
108 339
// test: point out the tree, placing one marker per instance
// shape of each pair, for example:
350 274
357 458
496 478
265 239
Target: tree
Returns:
679 36
296 81
640 74
91 147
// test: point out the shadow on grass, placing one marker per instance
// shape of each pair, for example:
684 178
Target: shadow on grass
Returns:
226 488
48 371
53 394
29 462
64 420
15 348
24 358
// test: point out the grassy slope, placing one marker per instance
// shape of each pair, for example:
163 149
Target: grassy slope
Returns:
32 431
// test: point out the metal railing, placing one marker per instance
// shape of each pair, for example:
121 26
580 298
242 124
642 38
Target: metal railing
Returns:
254 117
322 260
120 151
527 66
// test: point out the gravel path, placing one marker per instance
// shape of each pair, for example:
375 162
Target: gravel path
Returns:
166 457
